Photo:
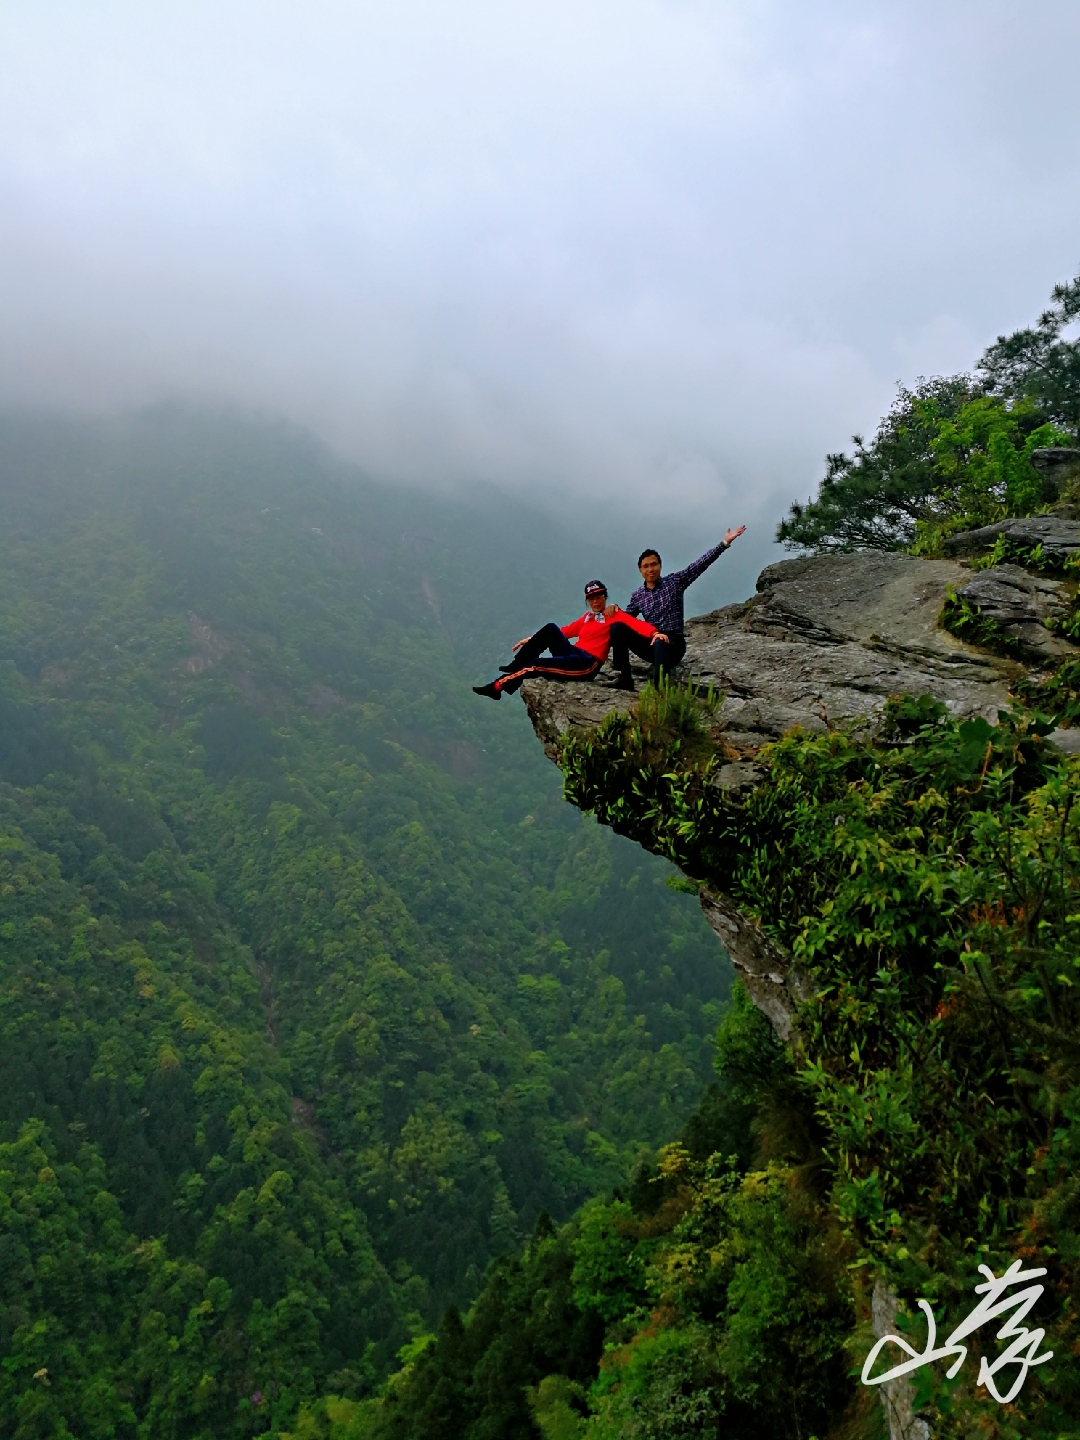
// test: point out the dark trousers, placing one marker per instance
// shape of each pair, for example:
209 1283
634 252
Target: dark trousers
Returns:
566 661
664 654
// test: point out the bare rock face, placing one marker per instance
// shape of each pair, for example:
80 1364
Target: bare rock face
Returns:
772 981
1022 604
825 639
1057 533
832 637
1059 465
897 1396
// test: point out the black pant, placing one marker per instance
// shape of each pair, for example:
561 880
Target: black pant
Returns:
664 654
567 662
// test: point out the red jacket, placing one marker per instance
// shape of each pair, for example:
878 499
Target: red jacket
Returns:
593 631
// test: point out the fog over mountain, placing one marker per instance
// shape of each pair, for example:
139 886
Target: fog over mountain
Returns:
679 248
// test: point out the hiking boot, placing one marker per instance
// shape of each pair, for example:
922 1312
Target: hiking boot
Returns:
491 690
625 682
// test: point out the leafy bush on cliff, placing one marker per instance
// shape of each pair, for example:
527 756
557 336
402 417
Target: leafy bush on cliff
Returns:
925 876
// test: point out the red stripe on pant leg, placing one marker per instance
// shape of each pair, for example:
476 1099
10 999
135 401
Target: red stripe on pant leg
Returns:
585 674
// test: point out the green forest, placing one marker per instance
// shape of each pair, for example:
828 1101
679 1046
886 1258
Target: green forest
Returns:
356 1086
315 995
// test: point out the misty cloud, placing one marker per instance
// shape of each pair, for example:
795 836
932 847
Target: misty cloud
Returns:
683 247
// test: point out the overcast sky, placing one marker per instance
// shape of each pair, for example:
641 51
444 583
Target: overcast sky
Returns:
668 252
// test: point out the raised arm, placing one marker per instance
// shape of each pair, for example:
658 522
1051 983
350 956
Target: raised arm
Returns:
686 577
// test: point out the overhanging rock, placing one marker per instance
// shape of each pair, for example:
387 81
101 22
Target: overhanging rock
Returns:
825 639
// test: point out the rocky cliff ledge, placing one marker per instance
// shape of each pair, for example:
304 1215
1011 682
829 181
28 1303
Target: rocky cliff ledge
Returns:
830 639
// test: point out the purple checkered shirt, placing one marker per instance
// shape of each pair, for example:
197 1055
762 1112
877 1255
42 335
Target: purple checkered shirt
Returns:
663 606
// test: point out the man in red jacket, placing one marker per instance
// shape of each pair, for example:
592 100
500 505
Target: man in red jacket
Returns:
594 632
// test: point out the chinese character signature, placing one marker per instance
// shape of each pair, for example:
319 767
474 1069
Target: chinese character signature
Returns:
993 1304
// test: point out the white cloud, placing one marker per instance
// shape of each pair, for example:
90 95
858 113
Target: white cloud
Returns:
683 247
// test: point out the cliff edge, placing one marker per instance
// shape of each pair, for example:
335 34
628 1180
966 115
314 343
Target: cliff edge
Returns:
829 639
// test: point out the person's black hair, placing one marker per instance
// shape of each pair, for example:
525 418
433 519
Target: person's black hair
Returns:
645 555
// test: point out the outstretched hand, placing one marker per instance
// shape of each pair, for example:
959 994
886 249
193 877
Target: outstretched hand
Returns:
731 535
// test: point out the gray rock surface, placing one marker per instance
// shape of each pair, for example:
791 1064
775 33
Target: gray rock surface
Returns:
1057 463
1021 604
897 1396
738 777
772 980
1058 534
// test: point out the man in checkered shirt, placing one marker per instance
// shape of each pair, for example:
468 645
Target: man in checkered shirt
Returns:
660 602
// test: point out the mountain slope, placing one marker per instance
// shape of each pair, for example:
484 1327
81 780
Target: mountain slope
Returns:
313 992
